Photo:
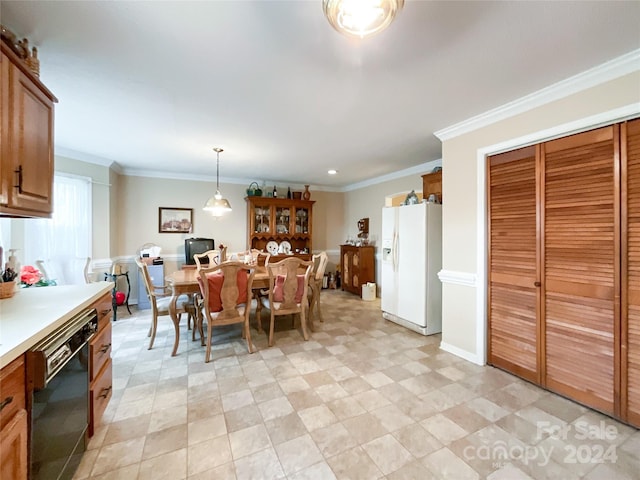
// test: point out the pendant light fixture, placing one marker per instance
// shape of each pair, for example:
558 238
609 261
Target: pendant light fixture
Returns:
361 18
217 205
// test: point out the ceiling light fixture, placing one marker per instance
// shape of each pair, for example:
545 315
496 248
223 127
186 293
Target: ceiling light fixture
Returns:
217 205
361 18
332 171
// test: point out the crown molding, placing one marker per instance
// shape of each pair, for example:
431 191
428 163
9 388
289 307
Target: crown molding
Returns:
616 68
134 172
418 169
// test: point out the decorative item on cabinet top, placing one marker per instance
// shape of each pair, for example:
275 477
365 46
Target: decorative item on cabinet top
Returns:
254 192
21 49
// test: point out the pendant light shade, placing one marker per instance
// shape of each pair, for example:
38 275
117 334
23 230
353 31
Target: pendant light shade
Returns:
361 18
216 205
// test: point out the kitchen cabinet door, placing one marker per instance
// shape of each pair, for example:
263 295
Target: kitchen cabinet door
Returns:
27 142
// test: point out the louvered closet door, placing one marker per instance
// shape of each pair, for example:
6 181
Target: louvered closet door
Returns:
512 262
631 295
581 258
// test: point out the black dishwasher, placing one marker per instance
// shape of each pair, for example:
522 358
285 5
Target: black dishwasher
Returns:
58 368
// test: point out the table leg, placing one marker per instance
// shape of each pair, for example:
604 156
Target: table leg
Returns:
176 322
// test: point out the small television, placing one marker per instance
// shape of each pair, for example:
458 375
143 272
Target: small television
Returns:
193 246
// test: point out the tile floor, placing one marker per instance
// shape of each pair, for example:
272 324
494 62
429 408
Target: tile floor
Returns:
362 399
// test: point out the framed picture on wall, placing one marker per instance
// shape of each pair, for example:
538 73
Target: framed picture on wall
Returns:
175 220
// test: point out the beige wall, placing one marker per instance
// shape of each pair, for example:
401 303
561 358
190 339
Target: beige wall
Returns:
463 305
140 197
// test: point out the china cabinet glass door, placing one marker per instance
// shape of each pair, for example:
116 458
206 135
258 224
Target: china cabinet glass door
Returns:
302 220
283 220
261 219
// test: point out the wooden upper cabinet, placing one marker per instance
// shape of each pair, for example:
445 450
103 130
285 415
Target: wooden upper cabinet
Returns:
432 184
27 164
280 219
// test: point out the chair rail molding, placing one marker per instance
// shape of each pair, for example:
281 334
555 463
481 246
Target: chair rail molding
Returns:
457 278
101 263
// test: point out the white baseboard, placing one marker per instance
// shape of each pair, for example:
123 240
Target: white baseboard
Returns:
471 357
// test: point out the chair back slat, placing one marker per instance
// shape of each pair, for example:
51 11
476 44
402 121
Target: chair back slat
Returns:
320 261
212 256
287 272
229 294
148 284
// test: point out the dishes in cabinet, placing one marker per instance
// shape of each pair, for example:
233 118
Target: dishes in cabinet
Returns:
285 248
272 247
282 229
262 228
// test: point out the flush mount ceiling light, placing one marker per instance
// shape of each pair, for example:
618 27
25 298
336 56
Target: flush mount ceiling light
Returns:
217 205
361 18
332 172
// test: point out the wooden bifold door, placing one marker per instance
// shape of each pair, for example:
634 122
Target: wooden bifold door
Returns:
564 266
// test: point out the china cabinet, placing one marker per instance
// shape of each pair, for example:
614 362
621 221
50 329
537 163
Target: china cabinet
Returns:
26 149
280 225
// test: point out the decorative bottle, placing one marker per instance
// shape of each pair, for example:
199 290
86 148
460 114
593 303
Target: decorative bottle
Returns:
306 195
275 192
289 193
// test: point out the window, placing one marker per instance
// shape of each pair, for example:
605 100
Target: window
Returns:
66 236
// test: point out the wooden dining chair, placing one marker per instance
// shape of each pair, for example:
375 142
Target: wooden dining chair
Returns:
315 283
212 256
66 270
159 298
288 290
226 290
195 301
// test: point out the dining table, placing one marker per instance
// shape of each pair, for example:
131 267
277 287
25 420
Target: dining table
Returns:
185 282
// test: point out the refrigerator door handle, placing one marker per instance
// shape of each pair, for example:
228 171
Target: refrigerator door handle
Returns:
395 251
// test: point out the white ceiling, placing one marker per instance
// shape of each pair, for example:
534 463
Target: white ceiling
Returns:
155 85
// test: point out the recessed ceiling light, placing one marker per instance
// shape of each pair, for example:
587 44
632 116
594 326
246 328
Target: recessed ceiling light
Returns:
332 172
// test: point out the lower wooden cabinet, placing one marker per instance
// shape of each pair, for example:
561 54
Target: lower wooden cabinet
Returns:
13 448
100 371
357 266
14 429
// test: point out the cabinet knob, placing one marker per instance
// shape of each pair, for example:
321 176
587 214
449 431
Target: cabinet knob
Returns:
105 347
537 284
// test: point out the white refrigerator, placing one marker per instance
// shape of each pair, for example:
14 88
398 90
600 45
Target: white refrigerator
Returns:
411 260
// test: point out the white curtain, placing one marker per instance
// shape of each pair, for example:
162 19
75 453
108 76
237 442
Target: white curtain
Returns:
66 237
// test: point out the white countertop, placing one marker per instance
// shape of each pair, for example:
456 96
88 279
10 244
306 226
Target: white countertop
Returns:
33 313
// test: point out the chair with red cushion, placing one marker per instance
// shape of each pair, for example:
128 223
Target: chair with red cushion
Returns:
226 293
288 288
